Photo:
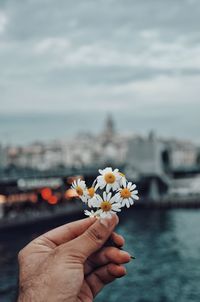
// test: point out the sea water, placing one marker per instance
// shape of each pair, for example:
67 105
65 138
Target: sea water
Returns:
166 245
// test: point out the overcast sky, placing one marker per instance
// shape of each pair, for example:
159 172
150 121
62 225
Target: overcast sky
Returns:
141 57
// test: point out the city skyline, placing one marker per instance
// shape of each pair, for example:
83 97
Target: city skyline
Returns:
28 128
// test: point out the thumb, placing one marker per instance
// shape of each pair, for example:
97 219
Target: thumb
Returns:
95 236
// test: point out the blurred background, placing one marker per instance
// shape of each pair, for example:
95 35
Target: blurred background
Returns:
90 84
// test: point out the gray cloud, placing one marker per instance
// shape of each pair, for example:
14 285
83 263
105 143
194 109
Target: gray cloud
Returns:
66 55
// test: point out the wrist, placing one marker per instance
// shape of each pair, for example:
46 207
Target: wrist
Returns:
35 294
29 291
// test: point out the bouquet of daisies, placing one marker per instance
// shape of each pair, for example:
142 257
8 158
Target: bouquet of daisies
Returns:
109 193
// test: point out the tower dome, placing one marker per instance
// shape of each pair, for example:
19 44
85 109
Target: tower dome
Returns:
109 129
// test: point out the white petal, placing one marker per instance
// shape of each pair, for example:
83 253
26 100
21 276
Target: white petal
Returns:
109 196
133 187
94 182
129 185
113 199
131 201
115 186
103 214
124 182
108 214
100 180
118 178
102 185
99 197
108 187
87 213
74 185
90 202
123 203
84 198
118 199
94 202
96 187
116 207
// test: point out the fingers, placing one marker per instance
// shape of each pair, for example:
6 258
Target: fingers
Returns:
117 239
104 256
94 237
66 232
103 276
74 229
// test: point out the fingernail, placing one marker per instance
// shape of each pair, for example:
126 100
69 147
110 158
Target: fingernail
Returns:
107 222
123 253
124 272
115 218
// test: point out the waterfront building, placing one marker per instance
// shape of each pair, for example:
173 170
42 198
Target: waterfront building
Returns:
183 154
37 156
142 155
145 155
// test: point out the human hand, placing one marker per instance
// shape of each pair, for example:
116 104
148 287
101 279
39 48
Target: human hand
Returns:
71 263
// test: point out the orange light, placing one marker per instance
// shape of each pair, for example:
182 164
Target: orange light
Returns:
33 198
69 194
2 199
46 193
52 199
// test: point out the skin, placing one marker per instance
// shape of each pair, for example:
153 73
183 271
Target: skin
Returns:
71 263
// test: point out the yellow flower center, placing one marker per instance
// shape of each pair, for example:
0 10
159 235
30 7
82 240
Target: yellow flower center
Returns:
79 191
91 192
109 178
125 193
121 174
106 206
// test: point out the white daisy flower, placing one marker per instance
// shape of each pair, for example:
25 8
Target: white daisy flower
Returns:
106 205
91 213
127 195
109 179
80 187
123 180
88 194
